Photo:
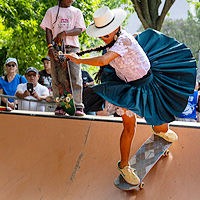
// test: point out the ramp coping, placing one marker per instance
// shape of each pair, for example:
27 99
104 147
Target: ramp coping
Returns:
95 118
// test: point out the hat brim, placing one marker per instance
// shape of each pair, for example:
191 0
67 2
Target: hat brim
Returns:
120 16
45 59
31 71
9 60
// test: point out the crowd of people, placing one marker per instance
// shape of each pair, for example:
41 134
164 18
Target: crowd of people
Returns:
14 84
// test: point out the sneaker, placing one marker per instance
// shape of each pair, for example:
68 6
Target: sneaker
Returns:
129 175
59 111
169 136
79 112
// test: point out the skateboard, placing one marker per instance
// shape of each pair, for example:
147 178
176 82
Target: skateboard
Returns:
65 99
145 158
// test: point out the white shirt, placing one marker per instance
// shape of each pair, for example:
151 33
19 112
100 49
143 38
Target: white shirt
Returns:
34 106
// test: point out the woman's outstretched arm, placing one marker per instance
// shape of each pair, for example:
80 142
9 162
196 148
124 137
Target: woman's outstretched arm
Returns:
95 61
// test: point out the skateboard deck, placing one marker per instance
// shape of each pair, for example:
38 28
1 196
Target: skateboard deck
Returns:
65 99
144 159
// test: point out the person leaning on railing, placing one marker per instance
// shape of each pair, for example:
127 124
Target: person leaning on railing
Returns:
40 92
9 82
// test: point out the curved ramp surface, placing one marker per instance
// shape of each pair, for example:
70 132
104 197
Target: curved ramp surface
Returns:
52 158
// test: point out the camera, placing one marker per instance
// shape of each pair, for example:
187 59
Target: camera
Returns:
30 88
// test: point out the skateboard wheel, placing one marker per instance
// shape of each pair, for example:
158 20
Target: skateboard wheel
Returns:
166 153
141 185
57 100
67 99
60 53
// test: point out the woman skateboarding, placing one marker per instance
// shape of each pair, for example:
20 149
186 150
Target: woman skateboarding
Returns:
153 77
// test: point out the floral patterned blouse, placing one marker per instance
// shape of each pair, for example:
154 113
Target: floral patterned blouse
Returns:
131 64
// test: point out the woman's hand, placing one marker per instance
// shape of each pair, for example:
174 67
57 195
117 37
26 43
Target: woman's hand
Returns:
73 57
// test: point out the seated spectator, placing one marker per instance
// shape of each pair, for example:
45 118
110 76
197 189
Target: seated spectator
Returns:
87 79
190 112
9 82
87 82
45 74
39 93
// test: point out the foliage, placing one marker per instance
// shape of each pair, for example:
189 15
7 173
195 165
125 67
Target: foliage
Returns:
186 31
23 38
26 40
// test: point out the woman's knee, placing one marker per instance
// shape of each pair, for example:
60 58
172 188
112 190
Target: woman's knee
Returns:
129 124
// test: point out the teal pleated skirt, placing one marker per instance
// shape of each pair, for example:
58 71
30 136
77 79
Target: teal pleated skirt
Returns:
164 93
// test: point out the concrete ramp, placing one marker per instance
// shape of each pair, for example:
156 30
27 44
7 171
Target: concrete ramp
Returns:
52 158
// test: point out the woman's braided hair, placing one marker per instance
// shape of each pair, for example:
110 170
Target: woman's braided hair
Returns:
100 48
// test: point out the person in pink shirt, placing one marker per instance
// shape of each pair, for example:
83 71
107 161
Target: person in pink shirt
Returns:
65 22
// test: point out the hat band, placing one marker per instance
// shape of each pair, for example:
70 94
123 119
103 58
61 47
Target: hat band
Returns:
106 24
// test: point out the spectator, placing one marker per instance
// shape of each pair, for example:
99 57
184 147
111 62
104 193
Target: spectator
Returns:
64 23
40 92
87 82
87 79
190 112
45 74
9 82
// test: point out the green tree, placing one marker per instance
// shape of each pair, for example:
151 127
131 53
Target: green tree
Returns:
186 31
23 38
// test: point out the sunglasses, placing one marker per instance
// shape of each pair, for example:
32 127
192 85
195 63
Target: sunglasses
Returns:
29 75
9 65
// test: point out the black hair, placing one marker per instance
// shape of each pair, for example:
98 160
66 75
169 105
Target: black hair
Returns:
100 48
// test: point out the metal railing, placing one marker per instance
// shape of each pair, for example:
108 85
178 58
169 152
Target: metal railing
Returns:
48 107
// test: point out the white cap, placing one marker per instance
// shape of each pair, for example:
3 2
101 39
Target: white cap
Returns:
11 60
31 69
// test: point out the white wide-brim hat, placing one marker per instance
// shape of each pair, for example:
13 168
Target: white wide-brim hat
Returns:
105 21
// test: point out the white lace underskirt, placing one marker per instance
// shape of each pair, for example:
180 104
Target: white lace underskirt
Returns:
111 109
